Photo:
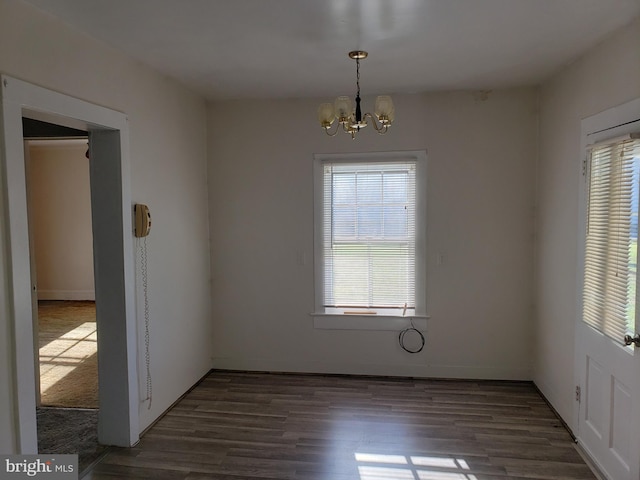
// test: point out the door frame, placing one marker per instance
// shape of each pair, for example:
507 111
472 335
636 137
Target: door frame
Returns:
114 263
34 273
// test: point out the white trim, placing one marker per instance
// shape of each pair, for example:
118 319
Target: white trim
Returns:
610 123
591 462
396 156
327 321
418 370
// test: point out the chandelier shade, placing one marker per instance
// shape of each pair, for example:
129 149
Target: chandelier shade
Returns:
326 114
384 109
343 107
351 120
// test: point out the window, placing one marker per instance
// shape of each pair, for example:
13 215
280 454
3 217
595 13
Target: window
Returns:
370 235
610 269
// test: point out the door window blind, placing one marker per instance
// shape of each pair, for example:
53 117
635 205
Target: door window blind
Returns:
369 237
610 271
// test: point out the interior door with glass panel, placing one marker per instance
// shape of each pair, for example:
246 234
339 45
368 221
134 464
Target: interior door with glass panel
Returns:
607 367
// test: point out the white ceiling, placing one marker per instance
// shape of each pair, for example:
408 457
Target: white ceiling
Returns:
298 48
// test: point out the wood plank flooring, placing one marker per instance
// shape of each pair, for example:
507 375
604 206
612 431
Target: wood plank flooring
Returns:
238 426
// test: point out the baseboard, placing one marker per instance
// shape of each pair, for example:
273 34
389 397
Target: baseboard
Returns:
586 456
146 429
555 412
391 370
89 295
564 409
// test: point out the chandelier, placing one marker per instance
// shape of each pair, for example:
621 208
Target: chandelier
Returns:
353 120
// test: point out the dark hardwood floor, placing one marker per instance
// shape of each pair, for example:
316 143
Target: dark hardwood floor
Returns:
237 426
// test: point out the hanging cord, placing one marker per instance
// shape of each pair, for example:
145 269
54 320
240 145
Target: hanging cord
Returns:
412 328
147 355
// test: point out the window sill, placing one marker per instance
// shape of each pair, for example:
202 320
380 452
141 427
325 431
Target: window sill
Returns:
328 321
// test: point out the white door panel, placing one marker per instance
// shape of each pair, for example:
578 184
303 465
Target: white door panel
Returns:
607 410
595 399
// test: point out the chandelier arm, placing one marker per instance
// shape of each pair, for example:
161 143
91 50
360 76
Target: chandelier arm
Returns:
374 122
326 130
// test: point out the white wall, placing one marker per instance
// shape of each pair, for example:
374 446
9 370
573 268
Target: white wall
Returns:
606 76
168 172
481 159
60 219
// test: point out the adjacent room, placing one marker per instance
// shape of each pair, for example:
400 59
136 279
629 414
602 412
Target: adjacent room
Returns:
65 327
352 239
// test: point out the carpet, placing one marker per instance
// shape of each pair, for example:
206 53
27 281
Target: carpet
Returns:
70 431
68 354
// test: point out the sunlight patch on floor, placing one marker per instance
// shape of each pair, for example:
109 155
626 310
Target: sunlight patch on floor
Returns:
61 356
401 467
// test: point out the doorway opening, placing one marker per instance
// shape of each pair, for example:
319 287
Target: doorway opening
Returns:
62 275
114 266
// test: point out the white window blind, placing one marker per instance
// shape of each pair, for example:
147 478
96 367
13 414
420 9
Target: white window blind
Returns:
369 237
609 293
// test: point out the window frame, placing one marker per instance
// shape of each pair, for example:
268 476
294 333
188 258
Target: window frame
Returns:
349 321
